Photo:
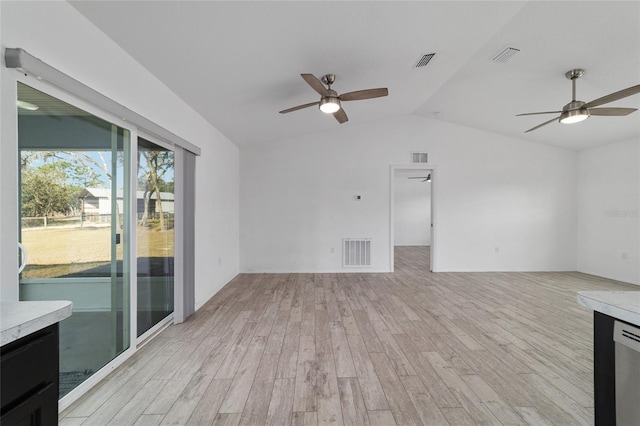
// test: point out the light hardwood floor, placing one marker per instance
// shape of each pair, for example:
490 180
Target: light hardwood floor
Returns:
410 347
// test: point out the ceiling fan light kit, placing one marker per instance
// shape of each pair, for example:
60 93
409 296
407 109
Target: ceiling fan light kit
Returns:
574 115
330 101
329 105
577 111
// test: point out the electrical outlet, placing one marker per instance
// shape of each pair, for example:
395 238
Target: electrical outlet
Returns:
625 256
497 249
219 261
332 250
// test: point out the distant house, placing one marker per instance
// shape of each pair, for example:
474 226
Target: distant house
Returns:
97 201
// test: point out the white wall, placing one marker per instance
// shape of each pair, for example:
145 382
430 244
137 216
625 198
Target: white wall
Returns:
297 198
412 210
60 36
608 211
217 217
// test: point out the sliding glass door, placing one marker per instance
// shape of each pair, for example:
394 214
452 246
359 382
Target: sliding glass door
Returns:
97 213
155 236
74 206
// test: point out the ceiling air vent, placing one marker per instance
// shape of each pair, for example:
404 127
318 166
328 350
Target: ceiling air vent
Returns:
422 62
505 54
418 157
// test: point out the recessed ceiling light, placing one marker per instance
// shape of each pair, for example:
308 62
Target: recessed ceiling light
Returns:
28 106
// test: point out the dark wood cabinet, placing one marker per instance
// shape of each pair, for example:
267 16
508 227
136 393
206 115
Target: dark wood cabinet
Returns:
29 376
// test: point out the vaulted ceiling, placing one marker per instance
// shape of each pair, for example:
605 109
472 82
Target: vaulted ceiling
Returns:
238 63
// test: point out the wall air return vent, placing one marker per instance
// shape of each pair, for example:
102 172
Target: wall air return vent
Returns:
356 252
424 60
505 55
418 157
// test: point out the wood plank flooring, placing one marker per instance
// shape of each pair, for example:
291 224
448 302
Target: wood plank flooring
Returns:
406 348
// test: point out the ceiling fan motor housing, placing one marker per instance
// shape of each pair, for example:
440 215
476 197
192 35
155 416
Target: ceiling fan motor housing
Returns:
573 105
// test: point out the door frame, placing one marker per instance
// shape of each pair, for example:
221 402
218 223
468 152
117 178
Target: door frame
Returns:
431 168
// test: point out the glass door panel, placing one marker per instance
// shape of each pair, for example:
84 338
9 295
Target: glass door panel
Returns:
74 198
155 234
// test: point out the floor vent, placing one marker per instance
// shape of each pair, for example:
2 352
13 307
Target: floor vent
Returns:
418 157
356 252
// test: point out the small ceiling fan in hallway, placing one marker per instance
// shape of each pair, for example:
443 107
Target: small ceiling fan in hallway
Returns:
426 178
576 111
330 101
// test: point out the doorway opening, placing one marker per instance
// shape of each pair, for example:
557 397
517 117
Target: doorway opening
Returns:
411 224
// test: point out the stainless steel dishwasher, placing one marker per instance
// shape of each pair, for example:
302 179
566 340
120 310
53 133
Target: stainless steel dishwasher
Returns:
627 347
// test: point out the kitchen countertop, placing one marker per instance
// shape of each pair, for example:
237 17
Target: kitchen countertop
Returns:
19 319
623 305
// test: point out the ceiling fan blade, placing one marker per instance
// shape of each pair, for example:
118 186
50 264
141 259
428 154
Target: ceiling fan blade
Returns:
538 113
418 177
543 124
315 84
359 95
614 96
616 112
341 116
295 108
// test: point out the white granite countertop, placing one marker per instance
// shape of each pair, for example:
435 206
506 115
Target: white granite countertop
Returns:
19 319
623 305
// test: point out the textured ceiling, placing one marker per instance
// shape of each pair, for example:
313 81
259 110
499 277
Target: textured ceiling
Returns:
238 63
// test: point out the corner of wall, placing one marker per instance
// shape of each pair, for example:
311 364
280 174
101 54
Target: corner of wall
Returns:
608 234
